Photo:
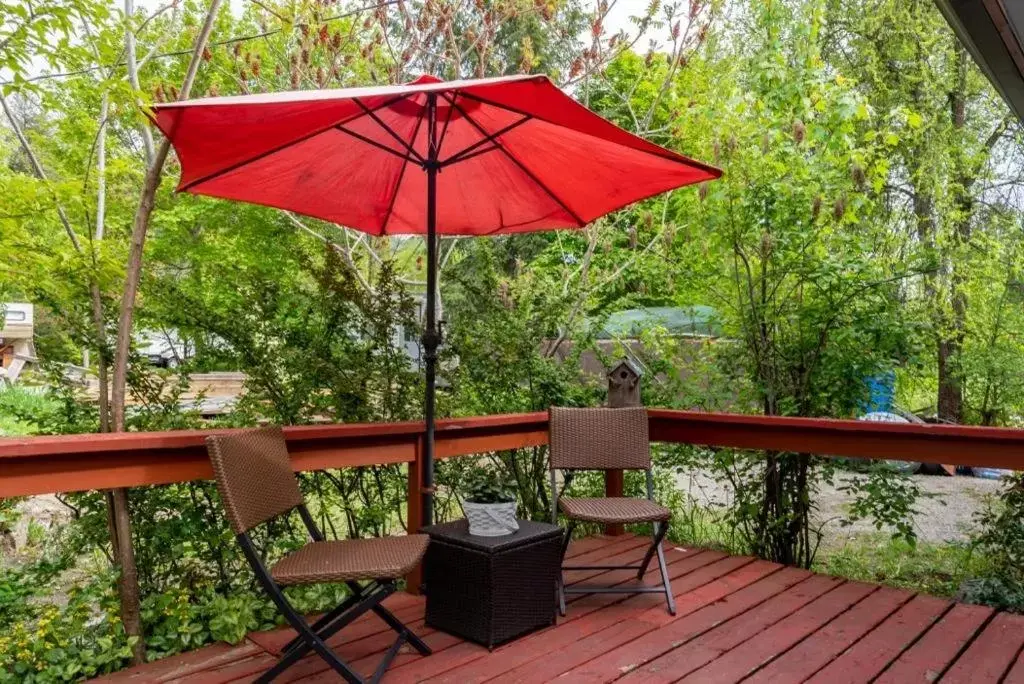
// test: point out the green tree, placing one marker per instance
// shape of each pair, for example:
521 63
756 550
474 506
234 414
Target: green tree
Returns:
948 132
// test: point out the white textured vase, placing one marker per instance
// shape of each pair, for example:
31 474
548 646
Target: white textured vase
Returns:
491 519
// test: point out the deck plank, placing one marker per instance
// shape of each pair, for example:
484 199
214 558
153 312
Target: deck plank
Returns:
612 663
746 658
635 631
685 575
815 652
189 664
872 654
991 653
1016 673
683 659
738 619
929 656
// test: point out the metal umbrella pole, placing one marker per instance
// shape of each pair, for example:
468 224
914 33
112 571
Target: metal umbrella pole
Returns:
431 335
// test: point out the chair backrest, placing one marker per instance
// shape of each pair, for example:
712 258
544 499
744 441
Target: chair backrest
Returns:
599 438
254 476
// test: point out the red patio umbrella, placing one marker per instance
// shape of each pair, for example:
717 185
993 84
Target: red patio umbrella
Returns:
473 157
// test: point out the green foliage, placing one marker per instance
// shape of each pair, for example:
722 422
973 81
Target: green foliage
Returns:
495 358
56 408
886 497
79 641
1000 538
485 485
937 569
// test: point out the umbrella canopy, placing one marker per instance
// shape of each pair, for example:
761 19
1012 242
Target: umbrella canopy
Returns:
515 154
478 157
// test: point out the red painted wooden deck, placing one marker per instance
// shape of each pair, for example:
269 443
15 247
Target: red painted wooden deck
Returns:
739 619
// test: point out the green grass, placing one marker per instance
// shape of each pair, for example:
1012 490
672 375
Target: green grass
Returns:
12 427
937 569
695 525
22 409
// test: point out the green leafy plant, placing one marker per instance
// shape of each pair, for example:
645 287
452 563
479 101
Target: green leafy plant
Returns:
1000 538
484 485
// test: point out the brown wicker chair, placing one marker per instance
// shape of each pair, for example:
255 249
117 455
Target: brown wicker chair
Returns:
256 483
607 439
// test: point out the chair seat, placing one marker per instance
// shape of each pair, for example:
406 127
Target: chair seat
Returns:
351 559
613 510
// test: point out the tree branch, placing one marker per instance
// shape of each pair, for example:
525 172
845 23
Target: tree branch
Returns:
147 201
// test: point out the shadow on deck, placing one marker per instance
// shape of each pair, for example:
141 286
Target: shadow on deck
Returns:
738 619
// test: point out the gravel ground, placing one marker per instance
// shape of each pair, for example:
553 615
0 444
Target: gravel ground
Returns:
945 516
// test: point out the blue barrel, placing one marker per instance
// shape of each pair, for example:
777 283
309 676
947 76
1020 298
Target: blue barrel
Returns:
881 391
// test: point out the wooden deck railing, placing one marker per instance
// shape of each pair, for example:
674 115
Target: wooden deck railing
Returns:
38 465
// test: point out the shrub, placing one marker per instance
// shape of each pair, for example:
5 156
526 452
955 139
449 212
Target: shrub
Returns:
1001 539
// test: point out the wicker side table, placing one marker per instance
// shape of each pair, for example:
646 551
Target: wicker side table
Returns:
491 589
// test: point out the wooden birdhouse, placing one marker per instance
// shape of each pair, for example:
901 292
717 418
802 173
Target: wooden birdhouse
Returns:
624 384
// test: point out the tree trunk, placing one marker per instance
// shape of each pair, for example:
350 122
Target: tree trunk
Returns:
128 580
950 400
140 228
128 584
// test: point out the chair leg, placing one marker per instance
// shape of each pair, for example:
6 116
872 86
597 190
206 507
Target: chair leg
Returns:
655 549
369 602
560 582
390 655
329 617
314 638
394 623
311 641
659 533
664 579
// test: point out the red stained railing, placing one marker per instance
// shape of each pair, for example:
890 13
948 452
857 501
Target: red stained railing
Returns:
950 444
38 465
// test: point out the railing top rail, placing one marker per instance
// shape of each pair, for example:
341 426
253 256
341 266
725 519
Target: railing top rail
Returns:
837 425
40 465
35 465
45 445
948 444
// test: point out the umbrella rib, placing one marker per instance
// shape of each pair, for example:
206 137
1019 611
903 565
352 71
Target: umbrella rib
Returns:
671 156
514 160
275 150
476 153
401 177
444 130
370 141
401 141
464 154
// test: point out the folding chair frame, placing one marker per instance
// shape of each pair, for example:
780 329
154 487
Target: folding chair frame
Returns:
658 534
364 598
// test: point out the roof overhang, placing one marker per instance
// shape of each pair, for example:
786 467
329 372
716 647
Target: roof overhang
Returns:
991 31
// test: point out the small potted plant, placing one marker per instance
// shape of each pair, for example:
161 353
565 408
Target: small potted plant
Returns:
490 506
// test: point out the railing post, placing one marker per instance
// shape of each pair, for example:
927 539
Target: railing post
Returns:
623 391
414 511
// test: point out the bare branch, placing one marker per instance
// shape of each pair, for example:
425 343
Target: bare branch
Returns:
342 250
133 74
